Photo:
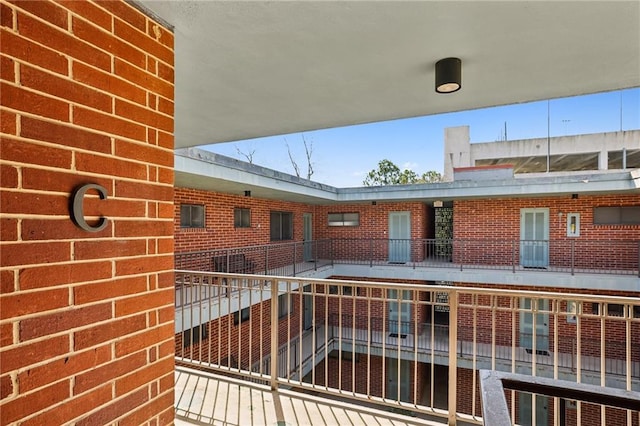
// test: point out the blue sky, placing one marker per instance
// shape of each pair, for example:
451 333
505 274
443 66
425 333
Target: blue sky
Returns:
343 156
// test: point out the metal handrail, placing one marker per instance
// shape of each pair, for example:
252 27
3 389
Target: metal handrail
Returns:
620 257
338 315
496 411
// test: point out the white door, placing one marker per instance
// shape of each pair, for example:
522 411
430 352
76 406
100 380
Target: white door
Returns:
398 379
307 237
399 237
526 411
399 312
541 326
534 238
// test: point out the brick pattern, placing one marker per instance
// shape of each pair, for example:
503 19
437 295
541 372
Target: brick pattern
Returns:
476 221
86 96
219 231
590 326
368 375
241 344
480 220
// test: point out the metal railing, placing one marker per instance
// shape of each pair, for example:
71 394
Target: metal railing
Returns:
405 346
496 410
282 259
292 259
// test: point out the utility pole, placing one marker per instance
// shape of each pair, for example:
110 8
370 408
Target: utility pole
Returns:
621 110
548 135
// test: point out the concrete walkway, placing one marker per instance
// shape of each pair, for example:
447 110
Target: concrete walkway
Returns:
208 399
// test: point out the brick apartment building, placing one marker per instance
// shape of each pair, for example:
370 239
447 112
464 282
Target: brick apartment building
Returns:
86 313
96 95
546 224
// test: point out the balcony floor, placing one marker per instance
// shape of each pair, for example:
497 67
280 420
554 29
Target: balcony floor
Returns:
207 399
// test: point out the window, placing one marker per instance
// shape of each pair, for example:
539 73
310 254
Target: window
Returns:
285 305
281 226
613 309
194 335
616 215
191 216
242 218
242 315
344 219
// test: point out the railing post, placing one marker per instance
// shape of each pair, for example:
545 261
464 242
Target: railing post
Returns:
573 255
266 260
295 257
453 355
274 335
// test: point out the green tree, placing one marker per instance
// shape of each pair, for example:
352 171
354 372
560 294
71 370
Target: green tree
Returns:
388 173
431 177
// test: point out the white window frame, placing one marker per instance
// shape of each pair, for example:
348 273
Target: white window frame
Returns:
343 219
573 225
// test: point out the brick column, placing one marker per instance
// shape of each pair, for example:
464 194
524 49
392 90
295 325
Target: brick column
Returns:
86 318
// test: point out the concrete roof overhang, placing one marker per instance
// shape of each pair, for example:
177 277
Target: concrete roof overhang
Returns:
251 69
198 169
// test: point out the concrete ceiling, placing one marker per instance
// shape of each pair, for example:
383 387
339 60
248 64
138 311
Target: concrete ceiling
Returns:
251 69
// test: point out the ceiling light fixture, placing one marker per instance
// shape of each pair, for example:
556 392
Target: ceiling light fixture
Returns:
448 75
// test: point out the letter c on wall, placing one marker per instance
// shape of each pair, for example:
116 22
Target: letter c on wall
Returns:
77 207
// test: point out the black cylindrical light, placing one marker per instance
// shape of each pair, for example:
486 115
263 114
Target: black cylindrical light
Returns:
448 75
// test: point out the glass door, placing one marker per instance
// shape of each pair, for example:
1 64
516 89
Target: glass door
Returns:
534 238
307 237
399 237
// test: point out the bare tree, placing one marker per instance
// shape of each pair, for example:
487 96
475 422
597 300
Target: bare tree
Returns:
308 149
248 155
293 162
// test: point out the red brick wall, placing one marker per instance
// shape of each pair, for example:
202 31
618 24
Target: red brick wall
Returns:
616 335
374 220
219 231
368 313
368 376
369 240
499 219
87 318
326 374
226 339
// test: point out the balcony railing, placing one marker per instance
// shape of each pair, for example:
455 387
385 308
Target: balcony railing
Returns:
413 348
572 256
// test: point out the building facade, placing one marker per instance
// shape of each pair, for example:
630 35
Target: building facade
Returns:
87 304
567 243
